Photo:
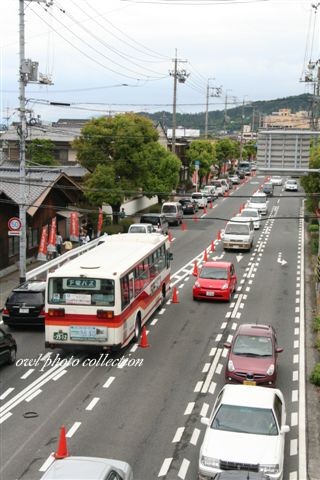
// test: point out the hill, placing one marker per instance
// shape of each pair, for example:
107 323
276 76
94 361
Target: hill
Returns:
252 114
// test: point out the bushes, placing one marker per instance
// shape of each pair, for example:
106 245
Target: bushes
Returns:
316 324
315 375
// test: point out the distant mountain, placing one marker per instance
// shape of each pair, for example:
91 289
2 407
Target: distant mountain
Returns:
252 114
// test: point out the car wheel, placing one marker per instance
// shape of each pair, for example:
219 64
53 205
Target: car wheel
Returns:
13 355
137 328
163 297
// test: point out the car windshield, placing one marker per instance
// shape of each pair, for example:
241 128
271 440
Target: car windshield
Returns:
237 418
292 182
249 213
138 229
169 209
197 195
27 298
257 200
214 273
237 229
252 346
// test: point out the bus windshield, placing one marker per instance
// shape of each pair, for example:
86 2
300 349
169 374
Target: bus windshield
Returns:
81 291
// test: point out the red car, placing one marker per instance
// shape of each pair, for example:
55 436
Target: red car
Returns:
253 356
216 281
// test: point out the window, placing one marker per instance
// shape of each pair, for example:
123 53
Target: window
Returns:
278 409
13 246
79 291
113 476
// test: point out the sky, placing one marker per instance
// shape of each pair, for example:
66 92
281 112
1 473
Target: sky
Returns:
110 56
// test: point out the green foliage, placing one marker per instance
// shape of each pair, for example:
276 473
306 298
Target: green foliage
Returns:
313 228
315 375
156 208
226 149
316 324
204 152
40 152
314 246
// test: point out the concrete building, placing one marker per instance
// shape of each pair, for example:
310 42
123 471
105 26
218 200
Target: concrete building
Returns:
285 119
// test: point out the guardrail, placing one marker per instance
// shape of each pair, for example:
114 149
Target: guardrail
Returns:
40 273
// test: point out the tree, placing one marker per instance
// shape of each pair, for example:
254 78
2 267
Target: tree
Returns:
40 152
204 152
123 156
249 150
311 182
226 149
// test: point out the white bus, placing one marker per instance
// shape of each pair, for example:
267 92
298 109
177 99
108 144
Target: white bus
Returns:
101 299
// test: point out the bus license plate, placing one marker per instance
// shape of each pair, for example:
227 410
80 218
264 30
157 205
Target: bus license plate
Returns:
83 333
61 336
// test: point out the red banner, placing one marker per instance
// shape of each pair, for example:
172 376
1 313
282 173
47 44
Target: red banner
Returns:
42 252
74 227
52 236
100 222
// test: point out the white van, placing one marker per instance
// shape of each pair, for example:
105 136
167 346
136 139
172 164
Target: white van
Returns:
201 199
238 234
173 212
259 201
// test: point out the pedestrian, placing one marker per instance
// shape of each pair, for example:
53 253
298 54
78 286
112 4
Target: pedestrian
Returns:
122 213
59 241
67 245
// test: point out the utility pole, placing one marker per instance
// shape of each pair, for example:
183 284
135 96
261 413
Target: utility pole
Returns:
28 72
178 76
215 92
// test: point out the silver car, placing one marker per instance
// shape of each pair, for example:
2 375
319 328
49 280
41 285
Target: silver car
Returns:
84 468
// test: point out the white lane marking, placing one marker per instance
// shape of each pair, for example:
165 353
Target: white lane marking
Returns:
48 354
223 325
26 375
47 463
296 344
294 396
293 476
219 368
181 286
35 394
224 352
294 419
108 382
238 315
212 351
239 300
134 348
195 436
228 314
93 403
59 375
296 331
154 321
296 320
4 418
295 375
204 409
218 337
234 326
178 435
189 408
211 371
6 393
198 386
297 310
73 429
229 339
296 358
206 368
162 311
294 447
165 467
212 388
184 468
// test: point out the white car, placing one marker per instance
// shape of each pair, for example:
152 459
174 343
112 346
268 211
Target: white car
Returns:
252 214
200 198
141 228
276 180
291 185
258 201
246 431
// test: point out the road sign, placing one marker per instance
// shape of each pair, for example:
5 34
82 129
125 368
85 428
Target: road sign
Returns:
14 225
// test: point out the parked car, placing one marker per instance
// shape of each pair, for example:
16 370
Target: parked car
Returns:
141 228
173 212
85 468
220 188
268 188
241 475
259 202
25 305
241 173
253 356
235 179
238 234
251 214
276 180
253 167
291 185
210 192
245 431
188 205
200 198
8 348
158 220
215 281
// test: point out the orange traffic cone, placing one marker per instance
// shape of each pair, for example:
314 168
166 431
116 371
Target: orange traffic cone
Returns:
195 218
210 204
219 235
195 271
175 298
62 450
204 210
183 226
205 256
212 246
144 339
169 236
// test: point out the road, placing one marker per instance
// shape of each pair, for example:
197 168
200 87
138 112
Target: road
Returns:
149 413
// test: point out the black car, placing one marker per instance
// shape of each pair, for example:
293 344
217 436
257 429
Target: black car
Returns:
268 189
25 305
8 347
188 205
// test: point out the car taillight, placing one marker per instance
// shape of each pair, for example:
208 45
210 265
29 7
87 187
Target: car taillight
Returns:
104 314
56 312
5 311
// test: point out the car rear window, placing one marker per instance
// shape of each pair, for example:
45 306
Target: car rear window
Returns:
169 209
28 298
152 220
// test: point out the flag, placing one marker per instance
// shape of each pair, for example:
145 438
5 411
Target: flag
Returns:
100 222
42 252
74 227
52 236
